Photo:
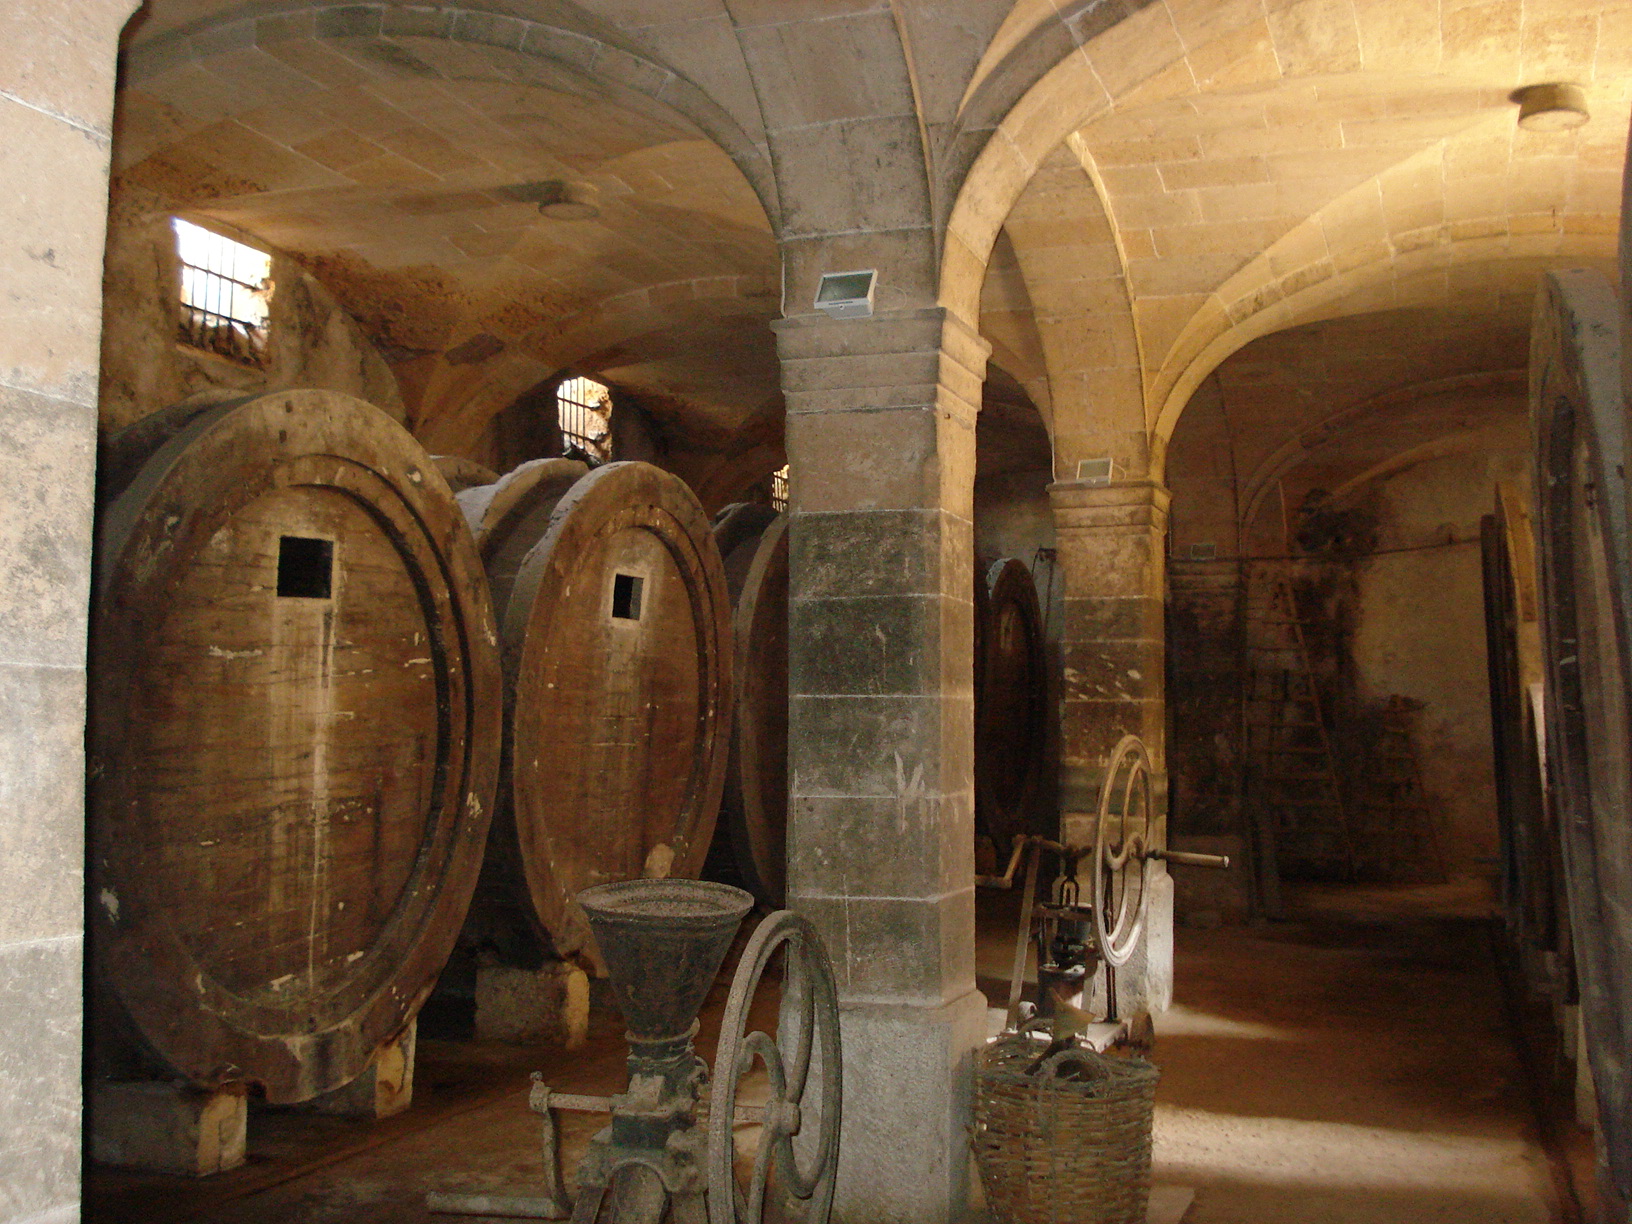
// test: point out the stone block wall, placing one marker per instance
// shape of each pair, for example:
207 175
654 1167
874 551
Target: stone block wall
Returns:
56 101
312 341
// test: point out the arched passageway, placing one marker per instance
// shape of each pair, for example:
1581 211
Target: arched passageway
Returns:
1148 216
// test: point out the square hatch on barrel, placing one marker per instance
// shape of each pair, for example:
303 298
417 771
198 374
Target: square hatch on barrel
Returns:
305 567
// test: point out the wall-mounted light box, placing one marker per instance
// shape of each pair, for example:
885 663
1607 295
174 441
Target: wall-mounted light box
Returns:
1100 471
847 295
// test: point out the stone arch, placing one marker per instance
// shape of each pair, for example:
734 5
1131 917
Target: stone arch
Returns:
1426 72
653 308
470 328
1033 42
1476 441
1411 278
1258 483
632 78
1008 322
584 340
1069 254
1354 255
1057 79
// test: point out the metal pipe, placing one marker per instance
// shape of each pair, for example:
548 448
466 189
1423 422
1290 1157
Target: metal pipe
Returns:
1189 858
1006 880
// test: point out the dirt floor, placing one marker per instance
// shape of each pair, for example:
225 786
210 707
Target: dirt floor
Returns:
1351 1066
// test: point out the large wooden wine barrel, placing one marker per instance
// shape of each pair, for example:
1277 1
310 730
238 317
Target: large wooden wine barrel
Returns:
462 473
615 624
753 541
1586 577
296 700
1011 699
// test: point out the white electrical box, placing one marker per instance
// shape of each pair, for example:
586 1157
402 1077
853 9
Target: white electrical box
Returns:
847 295
1099 471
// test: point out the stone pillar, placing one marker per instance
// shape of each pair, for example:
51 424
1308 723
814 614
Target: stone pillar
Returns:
1112 540
881 441
56 101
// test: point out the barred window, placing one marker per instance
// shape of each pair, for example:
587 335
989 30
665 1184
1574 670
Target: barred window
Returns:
226 290
584 408
779 488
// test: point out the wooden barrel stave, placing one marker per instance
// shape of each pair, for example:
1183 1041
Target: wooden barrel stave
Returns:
291 790
1531 876
510 516
462 473
753 539
641 699
1586 580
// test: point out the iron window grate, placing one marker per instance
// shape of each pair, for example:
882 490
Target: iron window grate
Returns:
584 409
226 288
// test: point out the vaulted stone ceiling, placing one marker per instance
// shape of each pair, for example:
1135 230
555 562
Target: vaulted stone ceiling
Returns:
1338 404
1234 168
401 164
1253 167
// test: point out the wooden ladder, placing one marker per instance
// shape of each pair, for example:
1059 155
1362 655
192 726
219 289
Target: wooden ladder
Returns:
1292 782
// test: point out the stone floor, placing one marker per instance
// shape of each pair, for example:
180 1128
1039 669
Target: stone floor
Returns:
1351 1066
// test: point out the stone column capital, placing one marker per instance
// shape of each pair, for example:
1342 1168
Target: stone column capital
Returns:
1117 505
886 333
827 362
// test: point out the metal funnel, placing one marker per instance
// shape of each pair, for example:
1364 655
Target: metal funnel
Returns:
663 941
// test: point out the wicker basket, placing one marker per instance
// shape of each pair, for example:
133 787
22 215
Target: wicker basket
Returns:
1063 1150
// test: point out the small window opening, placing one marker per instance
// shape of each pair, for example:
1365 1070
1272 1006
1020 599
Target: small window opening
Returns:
305 567
584 408
779 488
226 290
626 596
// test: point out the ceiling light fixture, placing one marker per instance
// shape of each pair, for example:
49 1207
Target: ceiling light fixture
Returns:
1553 107
564 201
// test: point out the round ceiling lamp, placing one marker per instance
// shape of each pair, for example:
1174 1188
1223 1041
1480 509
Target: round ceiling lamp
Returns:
569 201
1554 107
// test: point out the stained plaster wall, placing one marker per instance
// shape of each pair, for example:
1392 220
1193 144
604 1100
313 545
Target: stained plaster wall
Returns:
1405 623
1419 632
312 342
1203 658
